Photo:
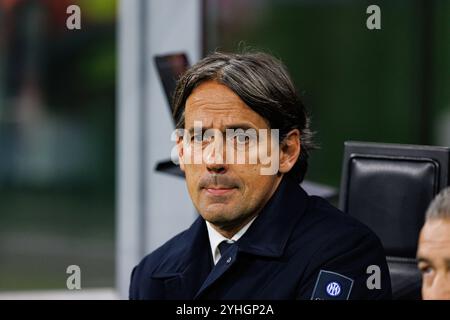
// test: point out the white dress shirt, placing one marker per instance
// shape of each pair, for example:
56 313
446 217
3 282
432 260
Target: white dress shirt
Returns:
215 238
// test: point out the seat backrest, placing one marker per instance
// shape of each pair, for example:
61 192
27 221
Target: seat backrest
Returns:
388 187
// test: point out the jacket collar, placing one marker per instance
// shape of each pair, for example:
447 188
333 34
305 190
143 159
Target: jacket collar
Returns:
185 269
269 233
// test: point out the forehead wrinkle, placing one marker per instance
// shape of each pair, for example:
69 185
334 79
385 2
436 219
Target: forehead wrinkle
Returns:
433 253
212 104
435 230
213 94
226 122
224 108
221 119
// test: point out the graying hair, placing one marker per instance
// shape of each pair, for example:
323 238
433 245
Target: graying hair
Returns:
440 206
263 83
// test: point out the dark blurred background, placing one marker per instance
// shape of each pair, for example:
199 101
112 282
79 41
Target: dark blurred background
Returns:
58 108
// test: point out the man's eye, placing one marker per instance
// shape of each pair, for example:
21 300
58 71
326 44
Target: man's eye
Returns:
426 270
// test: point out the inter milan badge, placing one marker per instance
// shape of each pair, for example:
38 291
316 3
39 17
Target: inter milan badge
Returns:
333 289
332 286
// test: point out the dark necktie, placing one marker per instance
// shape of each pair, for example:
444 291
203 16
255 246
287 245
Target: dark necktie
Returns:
224 246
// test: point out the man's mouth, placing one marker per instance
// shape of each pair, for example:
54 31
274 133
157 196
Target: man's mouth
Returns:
219 191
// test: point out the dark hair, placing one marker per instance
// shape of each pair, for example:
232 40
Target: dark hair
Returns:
263 83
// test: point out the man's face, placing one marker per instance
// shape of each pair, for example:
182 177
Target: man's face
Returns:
225 194
434 259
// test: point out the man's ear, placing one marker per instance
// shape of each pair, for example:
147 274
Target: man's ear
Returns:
180 148
290 149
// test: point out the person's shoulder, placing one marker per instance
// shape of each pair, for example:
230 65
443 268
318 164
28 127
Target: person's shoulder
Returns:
171 249
327 224
335 219
163 258
339 245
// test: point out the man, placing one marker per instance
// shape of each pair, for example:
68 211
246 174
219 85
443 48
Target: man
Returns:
259 235
433 252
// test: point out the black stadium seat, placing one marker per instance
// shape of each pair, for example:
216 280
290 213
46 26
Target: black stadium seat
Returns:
389 187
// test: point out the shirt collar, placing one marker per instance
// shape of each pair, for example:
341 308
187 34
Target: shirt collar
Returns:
215 238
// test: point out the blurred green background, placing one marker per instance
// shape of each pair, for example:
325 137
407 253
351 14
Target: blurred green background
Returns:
389 85
57 143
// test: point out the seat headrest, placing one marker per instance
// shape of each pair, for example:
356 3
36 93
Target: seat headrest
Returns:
389 187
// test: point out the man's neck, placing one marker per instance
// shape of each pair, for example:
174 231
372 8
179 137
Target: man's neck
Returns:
229 232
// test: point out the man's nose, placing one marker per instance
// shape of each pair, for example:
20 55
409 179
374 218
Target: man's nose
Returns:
216 168
215 157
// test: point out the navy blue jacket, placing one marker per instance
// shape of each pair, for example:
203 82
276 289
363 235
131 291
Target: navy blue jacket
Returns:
299 247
